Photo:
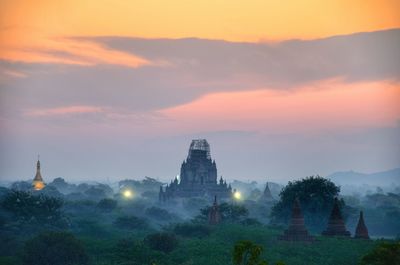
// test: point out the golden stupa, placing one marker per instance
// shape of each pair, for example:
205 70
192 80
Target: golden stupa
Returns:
38 182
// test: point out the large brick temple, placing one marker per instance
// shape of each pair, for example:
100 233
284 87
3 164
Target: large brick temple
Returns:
198 176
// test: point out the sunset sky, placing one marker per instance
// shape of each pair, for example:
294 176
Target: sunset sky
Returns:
117 89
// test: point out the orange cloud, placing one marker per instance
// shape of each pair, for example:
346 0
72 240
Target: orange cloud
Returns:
71 51
63 111
325 105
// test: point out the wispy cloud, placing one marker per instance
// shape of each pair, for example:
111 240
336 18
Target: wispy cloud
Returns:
63 111
73 52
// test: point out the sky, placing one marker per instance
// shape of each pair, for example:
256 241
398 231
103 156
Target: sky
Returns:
108 90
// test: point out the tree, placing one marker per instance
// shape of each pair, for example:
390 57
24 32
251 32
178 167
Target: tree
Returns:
130 222
107 205
384 254
164 242
316 195
247 253
54 248
27 207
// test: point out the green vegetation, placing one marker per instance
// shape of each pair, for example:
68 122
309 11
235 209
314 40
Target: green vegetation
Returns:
54 248
85 228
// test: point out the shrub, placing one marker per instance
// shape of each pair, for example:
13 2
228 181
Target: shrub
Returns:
54 248
384 254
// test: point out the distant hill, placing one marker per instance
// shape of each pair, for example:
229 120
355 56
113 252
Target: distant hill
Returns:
384 178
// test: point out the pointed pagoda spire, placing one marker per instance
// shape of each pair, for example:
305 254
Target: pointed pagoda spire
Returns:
336 226
267 195
38 182
214 216
361 230
297 230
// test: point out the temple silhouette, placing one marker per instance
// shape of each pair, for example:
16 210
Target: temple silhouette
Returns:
336 226
361 230
297 231
214 216
198 176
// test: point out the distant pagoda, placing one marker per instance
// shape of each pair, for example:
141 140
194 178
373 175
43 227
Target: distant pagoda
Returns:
267 195
297 230
361 230
336 226
38 183
198 176
214 216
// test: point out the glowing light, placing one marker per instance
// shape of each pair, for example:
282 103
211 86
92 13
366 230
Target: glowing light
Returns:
237 195
128 194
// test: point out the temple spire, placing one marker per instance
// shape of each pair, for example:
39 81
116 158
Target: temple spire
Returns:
214 216
336 226
38 182
297 230
361 230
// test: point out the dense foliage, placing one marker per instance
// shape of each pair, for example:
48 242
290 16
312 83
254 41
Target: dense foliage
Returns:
54 248
26 207
130 222
384 254
230 213
316 195
165 242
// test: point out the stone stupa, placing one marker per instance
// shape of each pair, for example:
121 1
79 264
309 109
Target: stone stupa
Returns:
336 226
297 230
361 230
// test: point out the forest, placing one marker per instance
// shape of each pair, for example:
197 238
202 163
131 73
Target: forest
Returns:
99 224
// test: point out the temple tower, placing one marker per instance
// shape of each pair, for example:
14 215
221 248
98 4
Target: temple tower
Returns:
38 183
336 226
267 195
214 216
361 230
297 230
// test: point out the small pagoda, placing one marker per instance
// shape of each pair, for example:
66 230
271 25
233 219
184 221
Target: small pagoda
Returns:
214 215
267 195
38 183
336 226
361 230
297 230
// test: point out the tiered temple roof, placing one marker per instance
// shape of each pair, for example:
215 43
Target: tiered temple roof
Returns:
297 230
361 230
198 176
336 226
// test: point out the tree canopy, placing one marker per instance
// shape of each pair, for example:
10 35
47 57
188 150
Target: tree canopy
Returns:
316 196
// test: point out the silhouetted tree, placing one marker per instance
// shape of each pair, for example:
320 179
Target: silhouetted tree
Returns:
25 207
316 195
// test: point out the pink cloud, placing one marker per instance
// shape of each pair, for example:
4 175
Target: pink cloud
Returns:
324 105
